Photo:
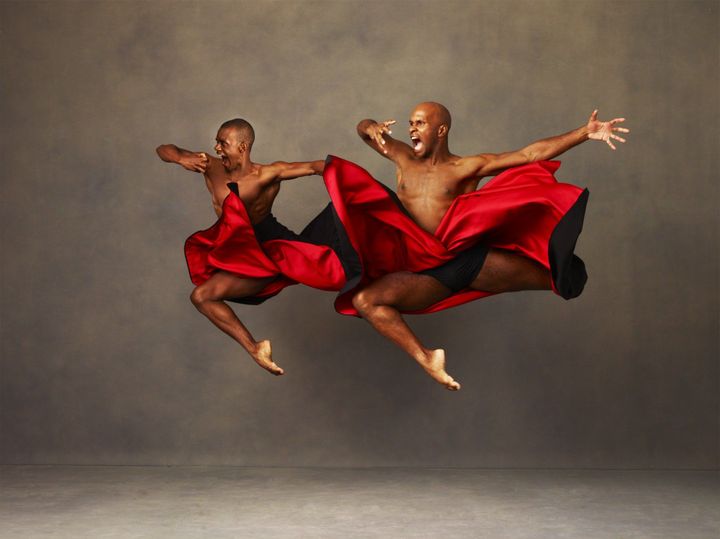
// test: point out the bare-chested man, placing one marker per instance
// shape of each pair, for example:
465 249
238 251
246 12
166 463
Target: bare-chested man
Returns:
257 187
429 179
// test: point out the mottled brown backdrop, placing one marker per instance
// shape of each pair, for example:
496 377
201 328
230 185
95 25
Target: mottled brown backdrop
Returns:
104 359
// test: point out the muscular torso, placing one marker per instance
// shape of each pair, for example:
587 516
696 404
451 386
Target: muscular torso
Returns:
427 190
254 189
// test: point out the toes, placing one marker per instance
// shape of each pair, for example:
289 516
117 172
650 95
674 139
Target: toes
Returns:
452 385
275 369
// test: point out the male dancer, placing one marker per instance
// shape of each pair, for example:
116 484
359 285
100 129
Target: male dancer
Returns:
256 186
430 178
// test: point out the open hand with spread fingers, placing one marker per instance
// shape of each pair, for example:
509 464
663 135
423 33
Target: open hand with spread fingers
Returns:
605 131
377 130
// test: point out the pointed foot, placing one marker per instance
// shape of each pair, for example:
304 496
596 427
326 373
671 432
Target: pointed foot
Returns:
434 365
263 357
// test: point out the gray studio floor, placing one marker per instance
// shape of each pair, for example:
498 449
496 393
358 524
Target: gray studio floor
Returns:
219 502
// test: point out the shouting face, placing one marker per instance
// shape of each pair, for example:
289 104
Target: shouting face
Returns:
230 147
429 123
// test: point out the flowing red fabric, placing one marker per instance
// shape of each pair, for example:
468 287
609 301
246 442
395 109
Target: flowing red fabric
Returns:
519 210
524 210
230 245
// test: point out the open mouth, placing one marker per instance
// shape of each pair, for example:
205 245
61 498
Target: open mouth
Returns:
416 143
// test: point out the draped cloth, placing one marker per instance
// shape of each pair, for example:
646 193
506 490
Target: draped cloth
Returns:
365 233
524 210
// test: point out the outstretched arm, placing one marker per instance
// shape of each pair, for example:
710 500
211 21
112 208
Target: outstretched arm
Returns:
193 161
377 136
549 148
280 170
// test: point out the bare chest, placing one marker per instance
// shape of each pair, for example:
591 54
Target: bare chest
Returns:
257 198
436 185
427 193
217 184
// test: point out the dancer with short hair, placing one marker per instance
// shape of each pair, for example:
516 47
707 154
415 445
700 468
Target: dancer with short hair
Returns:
247 256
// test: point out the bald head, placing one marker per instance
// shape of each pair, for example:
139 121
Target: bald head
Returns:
242 129
429 128
436 113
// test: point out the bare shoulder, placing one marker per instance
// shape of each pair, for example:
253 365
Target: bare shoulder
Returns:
267 173
402 154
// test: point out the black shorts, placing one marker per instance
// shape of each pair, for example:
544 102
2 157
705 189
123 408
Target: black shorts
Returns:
325 229
461 271
270 229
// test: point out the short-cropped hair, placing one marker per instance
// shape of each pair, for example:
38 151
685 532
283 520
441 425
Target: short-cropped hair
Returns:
243 128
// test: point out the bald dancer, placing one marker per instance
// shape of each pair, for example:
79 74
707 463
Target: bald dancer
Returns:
257 187
429 178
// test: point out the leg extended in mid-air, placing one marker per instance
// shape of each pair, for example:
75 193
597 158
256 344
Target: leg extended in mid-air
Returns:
381 302
209 298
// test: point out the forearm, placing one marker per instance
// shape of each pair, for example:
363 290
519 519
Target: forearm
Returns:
308 168
171 153
552 147
317 167
300 170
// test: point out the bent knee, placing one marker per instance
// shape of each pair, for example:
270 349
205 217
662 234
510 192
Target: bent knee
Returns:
200 295
362 302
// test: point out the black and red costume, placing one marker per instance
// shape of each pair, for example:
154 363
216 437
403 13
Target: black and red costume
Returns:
365 233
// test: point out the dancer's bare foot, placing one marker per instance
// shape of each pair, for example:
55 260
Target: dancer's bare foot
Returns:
434 364
263 357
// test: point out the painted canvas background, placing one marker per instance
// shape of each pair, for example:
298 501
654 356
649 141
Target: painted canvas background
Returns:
104 359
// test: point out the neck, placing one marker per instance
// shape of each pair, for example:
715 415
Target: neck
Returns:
244 167
440 154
